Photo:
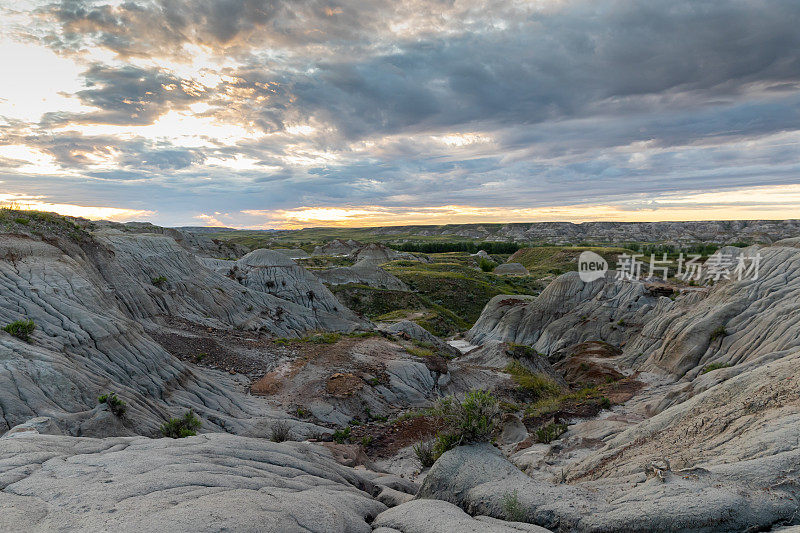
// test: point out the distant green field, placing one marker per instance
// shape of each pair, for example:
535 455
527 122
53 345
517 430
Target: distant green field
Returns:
554 260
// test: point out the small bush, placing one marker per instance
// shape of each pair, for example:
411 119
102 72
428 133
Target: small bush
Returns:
280 431
23 221
425 454
366 440
178 428
604 403
718 333
715 366
486 265
472 420
550 432
512 509
115 405
160 280
341 436
21 329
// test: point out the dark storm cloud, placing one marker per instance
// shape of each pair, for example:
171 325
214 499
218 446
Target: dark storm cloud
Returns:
566 95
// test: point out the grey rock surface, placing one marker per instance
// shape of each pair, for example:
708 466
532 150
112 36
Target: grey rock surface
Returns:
436 516
753 494
207 483
511 269
364 273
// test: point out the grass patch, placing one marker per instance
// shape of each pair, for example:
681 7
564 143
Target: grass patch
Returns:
533 384
550 432
341 436
178 428
715 366
115 405
420 352
279 431
718 333
512 509
21 329
159 281
425 453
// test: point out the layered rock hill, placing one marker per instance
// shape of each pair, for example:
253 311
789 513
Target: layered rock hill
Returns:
726 231
713 440
94 294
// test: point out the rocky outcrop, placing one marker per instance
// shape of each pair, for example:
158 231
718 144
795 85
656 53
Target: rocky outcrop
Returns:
338 247
436 516
294 253
93 299
722 232
273 273
755 494
715 429
377 254
363 273
207 483
511 269
412 330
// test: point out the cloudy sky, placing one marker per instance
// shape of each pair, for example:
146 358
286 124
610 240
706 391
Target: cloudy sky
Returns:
259 113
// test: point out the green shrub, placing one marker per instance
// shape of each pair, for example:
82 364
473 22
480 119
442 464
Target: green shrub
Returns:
715 366
536 385
604 403
23 221
341 436
512 509
472 420
366 440
718 333
550 432
21 329
486 265
115 405
280 431
160 280
178 428
425 454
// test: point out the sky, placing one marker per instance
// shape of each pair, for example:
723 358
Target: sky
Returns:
285 114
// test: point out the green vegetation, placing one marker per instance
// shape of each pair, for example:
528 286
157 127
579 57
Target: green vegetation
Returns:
550 432
512 509
457 292
420 352
178 428
115 405
341 436
486 265
472 420
21 329
552 404
554 260
160 280
715 366
535 386
280 431
425 453
472 247
42 223
718 333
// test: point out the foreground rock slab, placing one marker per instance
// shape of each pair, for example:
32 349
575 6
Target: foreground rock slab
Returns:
750 495
212 482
